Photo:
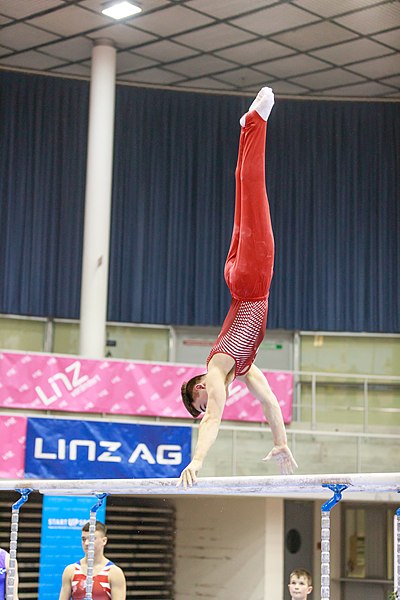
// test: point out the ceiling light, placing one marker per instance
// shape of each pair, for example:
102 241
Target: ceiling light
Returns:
121 10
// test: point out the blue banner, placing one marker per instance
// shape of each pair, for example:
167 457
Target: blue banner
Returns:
72 449
62 520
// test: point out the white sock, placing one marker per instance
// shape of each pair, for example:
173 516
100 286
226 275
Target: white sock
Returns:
262 103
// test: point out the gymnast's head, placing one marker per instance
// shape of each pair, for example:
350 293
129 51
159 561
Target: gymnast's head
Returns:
194 395
100 538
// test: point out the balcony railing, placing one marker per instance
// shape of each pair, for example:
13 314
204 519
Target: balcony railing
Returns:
342 399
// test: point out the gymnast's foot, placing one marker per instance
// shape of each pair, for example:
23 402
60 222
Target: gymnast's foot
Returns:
262 103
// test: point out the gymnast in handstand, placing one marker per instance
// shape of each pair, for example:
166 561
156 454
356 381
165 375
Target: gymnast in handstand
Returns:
248 274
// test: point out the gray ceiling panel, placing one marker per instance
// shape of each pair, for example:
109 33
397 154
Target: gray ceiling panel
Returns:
362 90
390 38
254 52
19 9
293 65
281 17
206 83
313 36
153 76
214 37
175 19
311 48
4 51
4 20
201 65
337 7
288 88
373 20
81 70
392 81
76 49
333 77
69 21
351 52
243 77
31 60
223 9
98 5
21 36
166 51
127 61
379 67
122 35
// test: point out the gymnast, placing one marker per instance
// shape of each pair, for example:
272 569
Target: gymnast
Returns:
248 273
108 579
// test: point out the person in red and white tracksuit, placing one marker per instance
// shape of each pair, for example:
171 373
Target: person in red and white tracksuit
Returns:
248 274
108 579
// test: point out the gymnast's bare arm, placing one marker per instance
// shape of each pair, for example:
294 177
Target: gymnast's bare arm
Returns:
117 583
217 381
66 585
258 385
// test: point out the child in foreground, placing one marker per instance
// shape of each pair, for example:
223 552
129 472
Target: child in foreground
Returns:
300 584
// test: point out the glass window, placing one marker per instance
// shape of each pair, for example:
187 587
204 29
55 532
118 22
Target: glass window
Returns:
355 542
368 539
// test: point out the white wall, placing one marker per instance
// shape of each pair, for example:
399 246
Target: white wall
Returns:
229 548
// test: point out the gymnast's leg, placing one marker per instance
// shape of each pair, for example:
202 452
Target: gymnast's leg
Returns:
249 265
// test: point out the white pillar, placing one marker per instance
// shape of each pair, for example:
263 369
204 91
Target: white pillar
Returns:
98 200
274 536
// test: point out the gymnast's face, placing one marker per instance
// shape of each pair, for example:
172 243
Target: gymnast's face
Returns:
99 542
299 588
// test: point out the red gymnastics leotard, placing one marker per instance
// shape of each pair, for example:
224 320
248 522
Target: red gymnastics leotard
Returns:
101 585
250 260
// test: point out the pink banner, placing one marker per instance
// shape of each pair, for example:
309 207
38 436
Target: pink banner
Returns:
75 384
12 452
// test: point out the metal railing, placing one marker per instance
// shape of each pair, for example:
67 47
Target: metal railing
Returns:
363 384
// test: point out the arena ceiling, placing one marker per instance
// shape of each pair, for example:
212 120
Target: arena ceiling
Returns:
307 48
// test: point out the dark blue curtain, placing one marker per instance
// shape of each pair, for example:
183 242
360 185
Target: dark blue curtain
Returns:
43 133
174 191
333 183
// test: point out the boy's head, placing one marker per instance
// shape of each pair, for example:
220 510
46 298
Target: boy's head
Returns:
300 584
100 538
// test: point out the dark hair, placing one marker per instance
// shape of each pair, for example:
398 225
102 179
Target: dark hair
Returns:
187 394
99 527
